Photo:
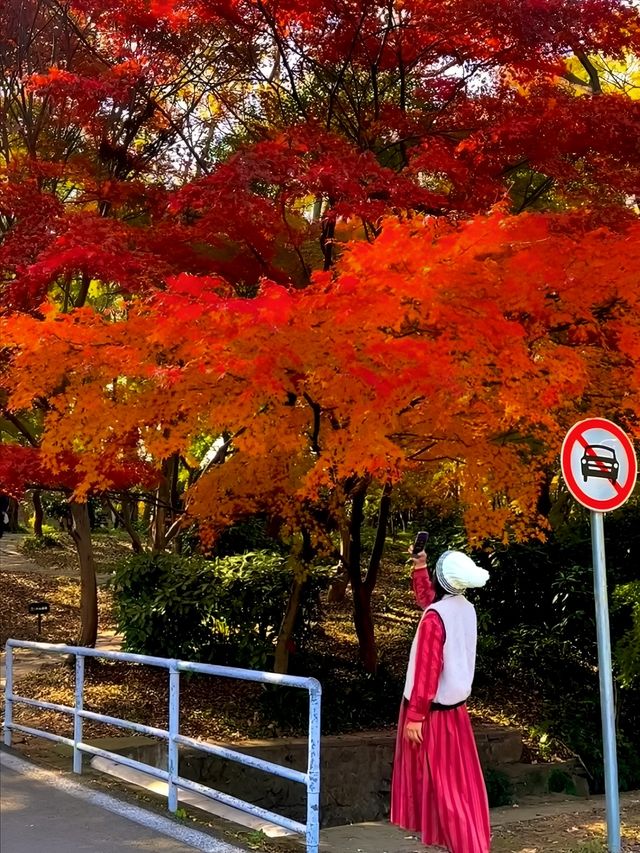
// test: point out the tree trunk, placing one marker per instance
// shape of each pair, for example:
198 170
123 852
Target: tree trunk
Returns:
91 509
340 581
384 510
283 646
134 511
81 534
175 539
38 517
174 493
362 615
544 497
287 627
365 629
363 589
161 508
327 236
146 519
129 512
159 523
14 515
109 512
126 519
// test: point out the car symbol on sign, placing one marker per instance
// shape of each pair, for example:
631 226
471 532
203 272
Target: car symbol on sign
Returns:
599 461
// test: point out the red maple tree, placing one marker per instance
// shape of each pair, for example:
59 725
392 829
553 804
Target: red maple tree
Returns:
475 347
175 174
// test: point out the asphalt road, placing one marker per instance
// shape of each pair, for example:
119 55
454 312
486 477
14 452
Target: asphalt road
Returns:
41 816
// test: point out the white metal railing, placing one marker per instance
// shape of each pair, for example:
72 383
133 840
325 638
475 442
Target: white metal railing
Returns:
310 778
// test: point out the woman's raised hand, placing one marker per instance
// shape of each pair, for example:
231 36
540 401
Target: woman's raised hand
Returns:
419 560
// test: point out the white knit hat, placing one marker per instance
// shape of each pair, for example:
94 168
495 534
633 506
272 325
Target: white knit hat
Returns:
457 572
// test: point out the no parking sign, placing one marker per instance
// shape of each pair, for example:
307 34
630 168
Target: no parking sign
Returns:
599 464
600 469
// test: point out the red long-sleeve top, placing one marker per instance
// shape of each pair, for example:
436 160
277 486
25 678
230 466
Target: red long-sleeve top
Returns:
429 657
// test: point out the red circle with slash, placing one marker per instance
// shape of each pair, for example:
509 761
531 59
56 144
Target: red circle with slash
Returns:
599 464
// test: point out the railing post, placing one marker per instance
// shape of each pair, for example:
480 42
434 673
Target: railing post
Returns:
174 731
77 719
8 693
313 771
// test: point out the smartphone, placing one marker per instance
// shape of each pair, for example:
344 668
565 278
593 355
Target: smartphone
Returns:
420 542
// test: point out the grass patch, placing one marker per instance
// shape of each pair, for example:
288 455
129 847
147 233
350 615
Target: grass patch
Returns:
35 544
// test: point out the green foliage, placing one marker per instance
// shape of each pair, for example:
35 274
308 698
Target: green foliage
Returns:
36 544
54 505
628 751
591 847
255 840
627 597
352 700
226 610
499 788
249 534
560 782
56 508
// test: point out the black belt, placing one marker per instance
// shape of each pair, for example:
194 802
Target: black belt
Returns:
436 706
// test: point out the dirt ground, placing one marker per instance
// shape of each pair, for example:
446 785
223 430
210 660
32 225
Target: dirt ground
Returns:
570 832
61 624
51 575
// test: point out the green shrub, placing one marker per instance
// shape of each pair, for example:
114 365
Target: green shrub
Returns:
35 544
225 611
560 782
352 700
627 597
248 534
499 788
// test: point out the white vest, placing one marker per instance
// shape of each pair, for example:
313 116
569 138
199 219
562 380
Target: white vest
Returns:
461 632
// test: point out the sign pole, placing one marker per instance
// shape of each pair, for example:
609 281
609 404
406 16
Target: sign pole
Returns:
600 468
607 704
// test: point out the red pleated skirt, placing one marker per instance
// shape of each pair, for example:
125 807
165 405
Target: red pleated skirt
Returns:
438 790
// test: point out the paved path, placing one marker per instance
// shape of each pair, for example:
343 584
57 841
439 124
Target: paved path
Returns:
43 812
13 560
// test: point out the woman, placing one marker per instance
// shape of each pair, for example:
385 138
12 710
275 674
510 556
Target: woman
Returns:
438 789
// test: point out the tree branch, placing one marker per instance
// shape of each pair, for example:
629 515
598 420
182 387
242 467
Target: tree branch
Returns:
315 435
540 190
355 533
22 428
125 521
589 67
381 532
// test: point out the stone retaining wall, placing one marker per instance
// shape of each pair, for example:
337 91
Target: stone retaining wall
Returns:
355 772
